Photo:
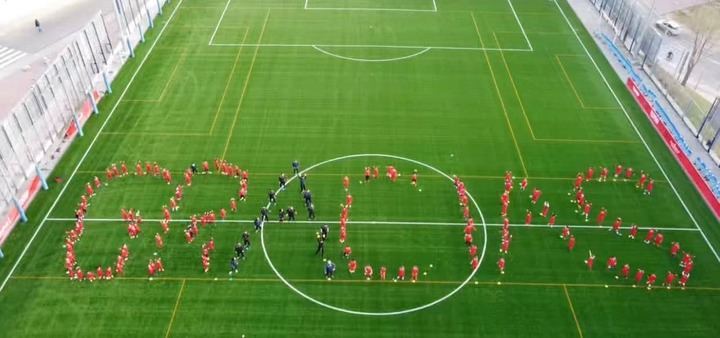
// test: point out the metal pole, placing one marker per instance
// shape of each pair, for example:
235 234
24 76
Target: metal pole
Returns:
21 211
42 178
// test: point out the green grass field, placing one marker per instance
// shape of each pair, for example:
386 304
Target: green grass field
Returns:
471 88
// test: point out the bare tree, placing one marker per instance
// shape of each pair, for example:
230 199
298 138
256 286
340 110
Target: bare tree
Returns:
704 24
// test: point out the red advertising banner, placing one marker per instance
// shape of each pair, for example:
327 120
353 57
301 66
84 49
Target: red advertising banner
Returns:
690 170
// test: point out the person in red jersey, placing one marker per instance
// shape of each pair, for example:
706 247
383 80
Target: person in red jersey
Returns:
590 261
211 244
505 223
165 226
243 193
669 279
650 187
523 184
383 273
628 173
188 236
611 262
108 174
173 204
475 262
545 209
178 193
552 220
504 198
616 226
346 183
674 249
414 178
577 184
414 273
343 234
233 205
624 272
603 174
368 272
470 223
651 281
401 272
633 231
367 174
97 182
528 217
466 212
659 238
468 239
124 252
347 251
348 201
501 265
508 176
206 263
100 272
188 178
123 169
159 241
683 280
206 168
650 236
590 173
376 172
159 265
90 276
89 190
565 234
508 185
79 275
601 216
505 246
472 250
579 200
571 243
618 171
148 168
109 273
151 268
138 169
535 195
352 266
166 176
223 213
586 210
639 277
688 267
641 181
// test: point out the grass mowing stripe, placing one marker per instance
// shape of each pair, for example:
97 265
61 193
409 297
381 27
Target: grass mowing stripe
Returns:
572 310
497 90
245 86
376 281
637 131
227 84
87 151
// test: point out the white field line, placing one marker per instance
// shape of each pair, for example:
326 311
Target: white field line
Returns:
306 3
434 6
370 9
522 29
371 60
365 46
458 224
87 151
647 147
212 37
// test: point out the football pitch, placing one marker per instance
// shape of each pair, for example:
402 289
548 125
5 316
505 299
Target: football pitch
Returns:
466 88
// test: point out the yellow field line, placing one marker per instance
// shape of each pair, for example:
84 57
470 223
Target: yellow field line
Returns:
572 310
362 281
497 89
572 85
245 86
170 79
512 81
535 32
177 304
227 84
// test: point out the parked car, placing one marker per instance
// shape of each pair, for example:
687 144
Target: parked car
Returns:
668 27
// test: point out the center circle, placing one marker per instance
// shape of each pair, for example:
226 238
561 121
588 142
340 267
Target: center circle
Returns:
390 313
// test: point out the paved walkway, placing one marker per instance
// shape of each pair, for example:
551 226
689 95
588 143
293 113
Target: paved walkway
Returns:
595 24
59 20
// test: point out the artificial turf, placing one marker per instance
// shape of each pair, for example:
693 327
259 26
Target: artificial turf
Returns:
465 89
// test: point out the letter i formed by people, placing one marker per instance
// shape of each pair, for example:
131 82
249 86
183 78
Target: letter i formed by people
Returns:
37 25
